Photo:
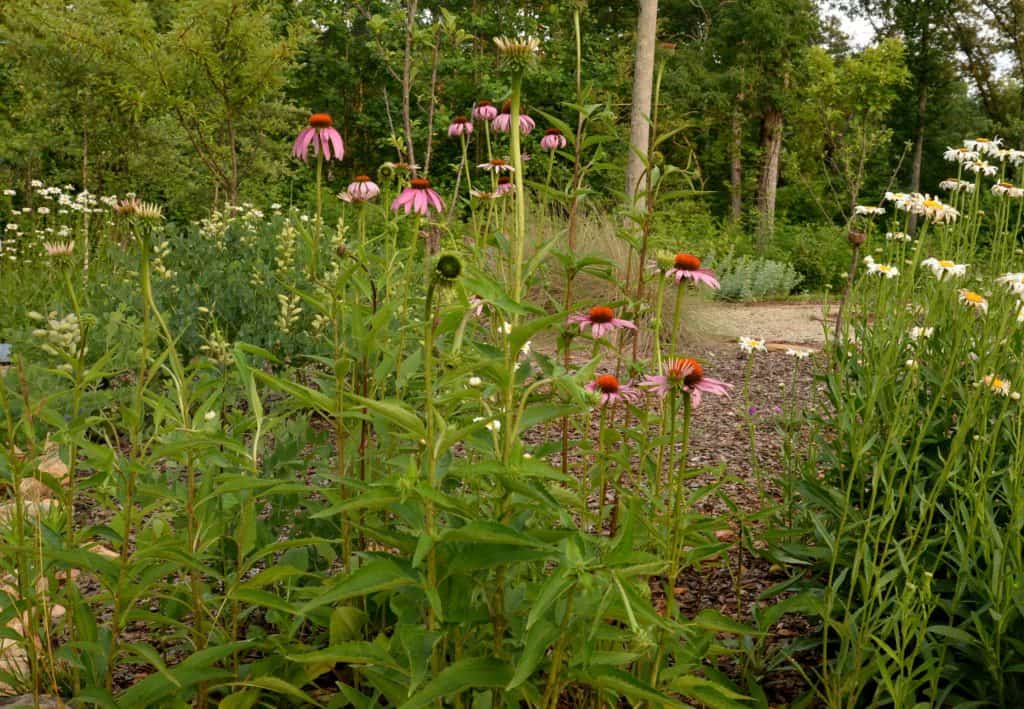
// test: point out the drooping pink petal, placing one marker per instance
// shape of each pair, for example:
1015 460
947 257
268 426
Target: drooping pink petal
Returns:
420 202
402 200
301 147
435 200
335 139
616 322
526 124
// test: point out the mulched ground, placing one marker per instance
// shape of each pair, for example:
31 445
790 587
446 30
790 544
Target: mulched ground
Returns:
782 390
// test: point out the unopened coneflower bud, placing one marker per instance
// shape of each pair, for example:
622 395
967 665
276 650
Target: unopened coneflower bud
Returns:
856 238
448 268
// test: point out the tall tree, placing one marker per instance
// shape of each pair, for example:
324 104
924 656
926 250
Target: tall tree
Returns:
925 28
640 113
763 40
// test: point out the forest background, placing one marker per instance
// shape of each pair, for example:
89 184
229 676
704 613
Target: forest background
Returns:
778 125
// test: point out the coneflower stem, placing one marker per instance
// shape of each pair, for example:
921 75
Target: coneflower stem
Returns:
520 195
656 324
315 256
676 320
602 476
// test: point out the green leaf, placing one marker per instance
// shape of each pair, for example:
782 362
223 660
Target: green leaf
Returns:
346 624
710 619
538 639
278 686
379 574
353 653
487 532
708 693
625 684
396 412
473 672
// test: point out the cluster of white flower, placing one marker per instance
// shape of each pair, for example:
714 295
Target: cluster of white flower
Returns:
898 236
160 252
954 184
289 312
863 211
61 336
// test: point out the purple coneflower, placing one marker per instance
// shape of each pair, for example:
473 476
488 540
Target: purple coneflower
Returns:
688 375
552 140
58 248
496 165
504 185
485 111
687 266
611 391
361 189
503 122
418 197
321 134
600 319
460 126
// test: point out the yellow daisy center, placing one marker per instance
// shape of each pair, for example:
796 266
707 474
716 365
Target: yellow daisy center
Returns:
973 298
946 264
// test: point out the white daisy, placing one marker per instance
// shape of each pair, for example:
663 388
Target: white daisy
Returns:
1007 189
942 268
982 166
973 300
883 269
752 344
997 385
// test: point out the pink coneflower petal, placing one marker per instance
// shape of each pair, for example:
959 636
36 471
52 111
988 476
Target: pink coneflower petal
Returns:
526 124
688 376
612 391
600 319
334 137
420 197
301 147
502 123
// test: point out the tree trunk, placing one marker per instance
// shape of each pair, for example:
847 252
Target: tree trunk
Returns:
643 83
410 26
736 166
771 142
915 168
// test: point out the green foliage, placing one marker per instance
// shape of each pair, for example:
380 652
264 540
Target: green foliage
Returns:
912 524
749 278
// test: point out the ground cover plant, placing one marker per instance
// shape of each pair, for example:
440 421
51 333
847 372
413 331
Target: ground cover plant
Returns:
458 438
